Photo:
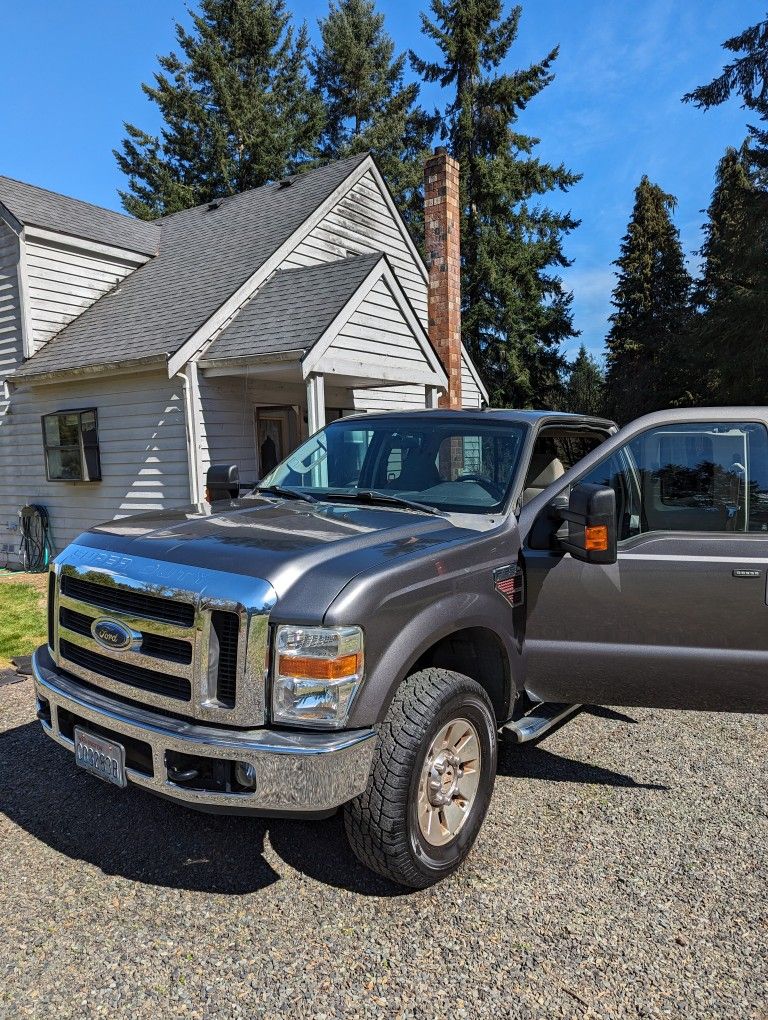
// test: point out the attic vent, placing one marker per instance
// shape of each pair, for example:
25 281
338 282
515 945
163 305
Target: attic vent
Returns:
286 182
215 205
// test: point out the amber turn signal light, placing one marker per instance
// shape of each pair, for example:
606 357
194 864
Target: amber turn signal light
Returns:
596 538
306 668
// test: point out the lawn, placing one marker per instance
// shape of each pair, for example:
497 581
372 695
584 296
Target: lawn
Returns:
22 619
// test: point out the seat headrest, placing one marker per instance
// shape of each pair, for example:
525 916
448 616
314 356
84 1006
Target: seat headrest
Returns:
544 470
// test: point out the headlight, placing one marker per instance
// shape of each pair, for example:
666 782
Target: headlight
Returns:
317 671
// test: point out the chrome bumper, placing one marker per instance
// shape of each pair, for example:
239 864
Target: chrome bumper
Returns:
295 772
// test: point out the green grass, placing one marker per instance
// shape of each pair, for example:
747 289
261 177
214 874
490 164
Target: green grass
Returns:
22 620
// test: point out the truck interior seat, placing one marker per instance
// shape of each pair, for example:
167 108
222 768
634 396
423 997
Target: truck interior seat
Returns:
544 470
419 472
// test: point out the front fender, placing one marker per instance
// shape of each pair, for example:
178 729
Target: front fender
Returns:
409 602
388 663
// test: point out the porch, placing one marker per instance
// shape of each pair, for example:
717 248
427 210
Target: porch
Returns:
254 415
315 343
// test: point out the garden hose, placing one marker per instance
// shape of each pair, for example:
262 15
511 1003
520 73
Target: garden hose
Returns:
35 548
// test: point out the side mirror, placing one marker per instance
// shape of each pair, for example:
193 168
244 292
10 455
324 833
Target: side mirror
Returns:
222 481
591 517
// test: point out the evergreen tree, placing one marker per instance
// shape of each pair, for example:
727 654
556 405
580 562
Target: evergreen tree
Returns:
746 76
368 107
730 334
732 329
585 385
647 355
237 110
516 313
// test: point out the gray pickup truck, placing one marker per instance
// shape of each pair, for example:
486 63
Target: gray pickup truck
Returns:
359 630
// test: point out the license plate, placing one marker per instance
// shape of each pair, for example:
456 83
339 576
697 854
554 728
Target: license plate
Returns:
104 758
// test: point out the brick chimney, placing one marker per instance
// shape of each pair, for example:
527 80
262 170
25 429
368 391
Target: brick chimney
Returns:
441 234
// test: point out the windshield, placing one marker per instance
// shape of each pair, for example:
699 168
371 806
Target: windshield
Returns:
466 467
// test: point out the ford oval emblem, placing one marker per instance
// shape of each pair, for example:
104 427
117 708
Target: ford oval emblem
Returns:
110 634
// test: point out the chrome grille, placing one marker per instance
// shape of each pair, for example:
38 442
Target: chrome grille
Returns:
128 673
171 612
154 645
134 602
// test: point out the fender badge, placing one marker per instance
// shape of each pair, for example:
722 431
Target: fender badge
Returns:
509 582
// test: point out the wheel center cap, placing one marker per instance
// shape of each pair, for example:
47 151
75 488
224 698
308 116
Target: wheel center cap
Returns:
443 781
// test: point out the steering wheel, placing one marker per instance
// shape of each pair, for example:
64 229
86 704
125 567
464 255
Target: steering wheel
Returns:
487 483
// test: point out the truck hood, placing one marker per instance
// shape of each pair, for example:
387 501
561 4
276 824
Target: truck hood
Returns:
307 552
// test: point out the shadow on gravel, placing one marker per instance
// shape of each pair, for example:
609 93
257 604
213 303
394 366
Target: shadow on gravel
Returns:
608 713
533 762
145 839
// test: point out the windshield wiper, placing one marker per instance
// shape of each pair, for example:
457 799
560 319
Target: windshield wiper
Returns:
372 497
285 492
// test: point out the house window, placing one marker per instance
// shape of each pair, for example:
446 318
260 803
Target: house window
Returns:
71 441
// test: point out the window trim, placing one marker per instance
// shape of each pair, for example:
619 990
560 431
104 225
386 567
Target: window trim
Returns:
80 446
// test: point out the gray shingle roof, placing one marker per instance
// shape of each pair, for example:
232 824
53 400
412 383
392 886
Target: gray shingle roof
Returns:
205 255
293 309
40 208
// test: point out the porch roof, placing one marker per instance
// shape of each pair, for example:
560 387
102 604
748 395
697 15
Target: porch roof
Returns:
348 320
292 311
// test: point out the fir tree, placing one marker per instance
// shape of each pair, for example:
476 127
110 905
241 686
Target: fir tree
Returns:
516 313
646 347
746 75
237 110
368 106
730 334
585 385
732 329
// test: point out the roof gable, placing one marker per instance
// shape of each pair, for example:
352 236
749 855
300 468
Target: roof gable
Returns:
375 335
349 317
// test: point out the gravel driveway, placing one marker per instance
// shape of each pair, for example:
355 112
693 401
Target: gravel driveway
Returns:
622 872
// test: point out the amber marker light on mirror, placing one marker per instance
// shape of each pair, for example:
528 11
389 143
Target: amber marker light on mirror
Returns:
596 538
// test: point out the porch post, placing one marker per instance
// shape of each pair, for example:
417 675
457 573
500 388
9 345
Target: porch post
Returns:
194 419
315 402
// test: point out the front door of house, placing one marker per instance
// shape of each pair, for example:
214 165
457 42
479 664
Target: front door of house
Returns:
273 439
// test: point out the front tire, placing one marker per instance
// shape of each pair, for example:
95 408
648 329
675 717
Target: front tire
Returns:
431 780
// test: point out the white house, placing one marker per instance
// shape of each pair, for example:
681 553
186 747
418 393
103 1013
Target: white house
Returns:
133 355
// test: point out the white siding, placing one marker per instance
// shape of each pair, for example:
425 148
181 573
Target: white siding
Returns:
378 334
391 398
227 426
64 278
413 398
362 222
11 338
143 447
472 396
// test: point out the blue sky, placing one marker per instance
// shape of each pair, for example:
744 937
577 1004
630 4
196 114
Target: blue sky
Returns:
72 74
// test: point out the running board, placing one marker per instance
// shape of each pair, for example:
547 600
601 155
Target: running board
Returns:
537 722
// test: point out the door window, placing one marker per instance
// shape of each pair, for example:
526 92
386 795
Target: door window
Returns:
708 477
554 452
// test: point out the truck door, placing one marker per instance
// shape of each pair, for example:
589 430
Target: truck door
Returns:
680 620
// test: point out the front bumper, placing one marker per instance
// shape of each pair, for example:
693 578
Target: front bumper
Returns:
296 773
